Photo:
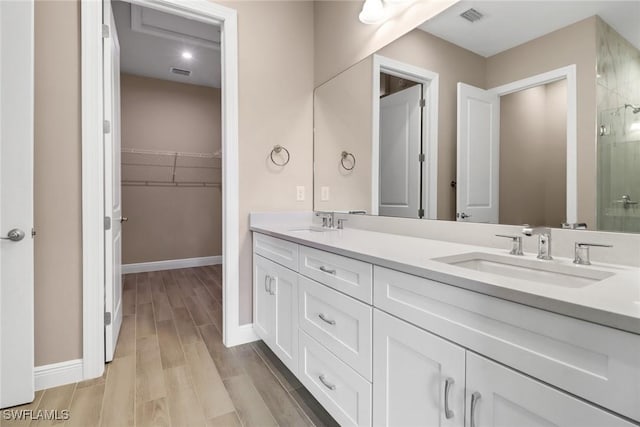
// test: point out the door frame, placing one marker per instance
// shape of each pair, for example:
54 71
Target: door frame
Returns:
93 261
430 86
568 73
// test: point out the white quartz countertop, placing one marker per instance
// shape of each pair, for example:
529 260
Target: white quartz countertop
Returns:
612 302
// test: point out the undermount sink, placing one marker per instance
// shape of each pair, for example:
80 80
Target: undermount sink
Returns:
312 229
550 273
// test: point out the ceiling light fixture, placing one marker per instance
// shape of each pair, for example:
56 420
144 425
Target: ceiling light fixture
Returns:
373 12
187 55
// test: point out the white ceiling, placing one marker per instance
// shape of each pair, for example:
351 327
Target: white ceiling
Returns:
507 24
156 43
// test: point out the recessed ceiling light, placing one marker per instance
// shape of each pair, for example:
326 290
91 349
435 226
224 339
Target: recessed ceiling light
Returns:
187 55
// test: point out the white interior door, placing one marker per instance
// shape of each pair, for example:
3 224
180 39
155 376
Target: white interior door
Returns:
16 203
400 133
478 155
112 203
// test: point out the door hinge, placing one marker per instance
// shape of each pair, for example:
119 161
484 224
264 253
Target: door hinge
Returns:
107 318
423 103
422 157
105 31
107 223
106 126
420 213
33 233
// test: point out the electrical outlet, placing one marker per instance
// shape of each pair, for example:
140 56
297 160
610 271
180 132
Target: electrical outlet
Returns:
324 194
300 193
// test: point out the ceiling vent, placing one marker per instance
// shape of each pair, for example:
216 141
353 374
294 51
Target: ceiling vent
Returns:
180 71
471 15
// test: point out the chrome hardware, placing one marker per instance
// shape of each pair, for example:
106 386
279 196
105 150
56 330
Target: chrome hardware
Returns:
357 212
462 215
326 270
107 223
277 149
626 201
271 279
448 413
475 396
124 219
324 319
582 252
14 235
344 156
326 384
328 218
516 243
544 240
107 318
266 279
574 225
340 225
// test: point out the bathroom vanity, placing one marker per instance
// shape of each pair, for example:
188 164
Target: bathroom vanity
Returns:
385 329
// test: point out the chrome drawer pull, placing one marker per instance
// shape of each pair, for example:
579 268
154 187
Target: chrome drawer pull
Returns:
267 278
326 270
271 279
326 384
324 319
474 402
448 413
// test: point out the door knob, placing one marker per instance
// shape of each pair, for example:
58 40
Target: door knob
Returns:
124 219
14 235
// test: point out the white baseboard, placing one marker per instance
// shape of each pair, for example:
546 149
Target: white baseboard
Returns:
171 264
57 374
242 334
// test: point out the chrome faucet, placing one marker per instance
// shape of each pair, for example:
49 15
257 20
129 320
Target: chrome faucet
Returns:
544 240
328 218
581 255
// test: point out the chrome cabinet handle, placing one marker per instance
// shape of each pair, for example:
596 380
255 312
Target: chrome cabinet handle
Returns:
266 287
326 384
475 396
271 279
326 270
124 219
14 235
448 413
324 319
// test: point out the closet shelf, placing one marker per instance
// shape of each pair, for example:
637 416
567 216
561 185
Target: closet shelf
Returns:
141 167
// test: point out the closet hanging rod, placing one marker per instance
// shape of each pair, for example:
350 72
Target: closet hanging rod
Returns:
170 184
216 155
147 165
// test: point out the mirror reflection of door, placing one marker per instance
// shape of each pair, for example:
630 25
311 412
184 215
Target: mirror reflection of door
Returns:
401 148
512 155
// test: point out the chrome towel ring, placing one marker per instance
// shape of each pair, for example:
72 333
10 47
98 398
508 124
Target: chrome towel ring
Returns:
277 149
345 155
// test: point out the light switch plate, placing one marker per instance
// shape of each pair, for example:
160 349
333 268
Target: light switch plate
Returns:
324 194
300 193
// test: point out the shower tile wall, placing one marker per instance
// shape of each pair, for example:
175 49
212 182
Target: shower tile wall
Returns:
618 83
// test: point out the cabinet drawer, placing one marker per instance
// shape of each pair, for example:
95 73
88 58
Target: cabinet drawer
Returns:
278 250
594 362
340 390
347 275
338 322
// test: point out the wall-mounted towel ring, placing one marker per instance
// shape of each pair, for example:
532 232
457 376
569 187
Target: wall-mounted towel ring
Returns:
277 149
345 155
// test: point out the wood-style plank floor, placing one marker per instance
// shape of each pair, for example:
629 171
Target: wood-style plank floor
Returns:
171 368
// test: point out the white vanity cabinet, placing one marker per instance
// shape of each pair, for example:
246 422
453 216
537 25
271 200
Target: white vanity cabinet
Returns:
276 309
418 377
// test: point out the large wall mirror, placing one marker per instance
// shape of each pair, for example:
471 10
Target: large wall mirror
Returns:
510 112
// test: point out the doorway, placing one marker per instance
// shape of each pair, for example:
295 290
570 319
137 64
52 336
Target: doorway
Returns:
94 168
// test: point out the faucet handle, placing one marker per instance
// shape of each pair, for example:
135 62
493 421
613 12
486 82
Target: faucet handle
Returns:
516 248
581 255
341 223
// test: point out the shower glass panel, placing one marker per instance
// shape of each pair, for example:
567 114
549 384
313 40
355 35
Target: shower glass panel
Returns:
619 170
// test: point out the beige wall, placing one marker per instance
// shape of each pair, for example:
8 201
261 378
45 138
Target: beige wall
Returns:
57 182
341 40
533 135
170 222
275 46
575 44
343 114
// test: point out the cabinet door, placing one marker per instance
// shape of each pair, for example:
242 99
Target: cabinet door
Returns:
417 376
264 303
284 291
500 397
